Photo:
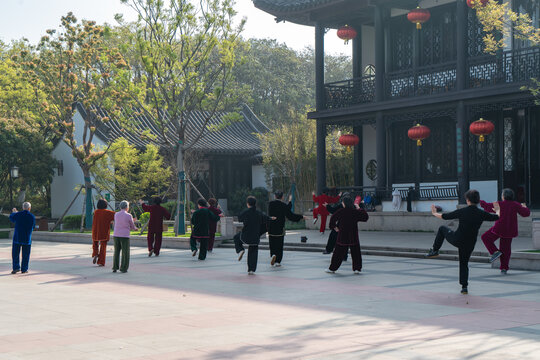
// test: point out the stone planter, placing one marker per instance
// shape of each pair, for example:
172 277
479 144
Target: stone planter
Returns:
536 233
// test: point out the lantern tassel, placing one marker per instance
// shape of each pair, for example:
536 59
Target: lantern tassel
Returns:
481 138
418 26
418 142
349 149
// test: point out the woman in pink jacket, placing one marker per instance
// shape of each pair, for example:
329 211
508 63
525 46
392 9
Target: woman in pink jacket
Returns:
505 228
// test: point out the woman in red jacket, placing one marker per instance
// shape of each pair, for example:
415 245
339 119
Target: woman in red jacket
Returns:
155 225
324 198
505 228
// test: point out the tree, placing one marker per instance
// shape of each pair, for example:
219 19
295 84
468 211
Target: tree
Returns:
74 66
188 52
500 22
131 174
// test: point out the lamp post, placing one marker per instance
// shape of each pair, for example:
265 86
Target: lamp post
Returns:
13 174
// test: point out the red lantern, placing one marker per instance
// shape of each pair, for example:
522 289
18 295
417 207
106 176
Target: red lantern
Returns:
419 133
418 16
346 33
349 140
471 3
481 128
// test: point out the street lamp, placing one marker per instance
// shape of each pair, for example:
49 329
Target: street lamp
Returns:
13 174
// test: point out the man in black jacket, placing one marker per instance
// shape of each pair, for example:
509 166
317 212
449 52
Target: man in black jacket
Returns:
276 229
464 238
200 221
254 226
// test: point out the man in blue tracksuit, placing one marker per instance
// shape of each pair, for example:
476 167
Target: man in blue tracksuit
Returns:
22 237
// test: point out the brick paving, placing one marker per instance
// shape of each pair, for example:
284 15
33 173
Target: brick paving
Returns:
175 307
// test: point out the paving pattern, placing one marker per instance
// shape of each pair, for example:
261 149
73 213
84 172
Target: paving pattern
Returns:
175 307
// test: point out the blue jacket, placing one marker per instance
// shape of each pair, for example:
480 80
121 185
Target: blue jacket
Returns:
24 225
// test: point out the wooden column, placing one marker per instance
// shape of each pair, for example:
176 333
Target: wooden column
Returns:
462 128
357 68
379 94
358 158
321 156
320 99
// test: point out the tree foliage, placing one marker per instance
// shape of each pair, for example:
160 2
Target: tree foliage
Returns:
131 174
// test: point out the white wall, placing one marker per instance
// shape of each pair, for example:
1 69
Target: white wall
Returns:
368 46
488 189
258 177
64 188
369 151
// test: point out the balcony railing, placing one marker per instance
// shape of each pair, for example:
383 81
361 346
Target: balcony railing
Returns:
421 81
506 67
345 93
512 66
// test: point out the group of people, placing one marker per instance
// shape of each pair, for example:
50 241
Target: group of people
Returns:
345 215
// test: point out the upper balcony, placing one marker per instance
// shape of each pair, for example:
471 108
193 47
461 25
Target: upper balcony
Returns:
508 67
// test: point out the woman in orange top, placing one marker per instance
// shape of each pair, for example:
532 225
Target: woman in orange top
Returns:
101 231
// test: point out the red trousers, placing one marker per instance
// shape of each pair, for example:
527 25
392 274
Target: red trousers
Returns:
320 210
154 241
211 239
505 246
99 249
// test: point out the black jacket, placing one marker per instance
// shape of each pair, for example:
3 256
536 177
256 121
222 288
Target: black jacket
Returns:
255 223
470 220
200 221
281 211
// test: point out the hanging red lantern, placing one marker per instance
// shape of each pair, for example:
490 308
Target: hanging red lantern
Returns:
419 133
481 128
418 16
471 3
346 33
349 140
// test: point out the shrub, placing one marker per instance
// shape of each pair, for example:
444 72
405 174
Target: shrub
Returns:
143 219
4 221
72 222
237 201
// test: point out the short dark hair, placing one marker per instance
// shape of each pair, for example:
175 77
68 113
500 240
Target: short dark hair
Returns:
212 202
101 204
157 200
201 202
348 201
251 201
473 196
508 194
278 194
325 190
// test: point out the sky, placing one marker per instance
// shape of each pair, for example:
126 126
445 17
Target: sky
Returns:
30 19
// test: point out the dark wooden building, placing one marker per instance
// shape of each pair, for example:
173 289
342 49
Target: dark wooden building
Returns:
438 76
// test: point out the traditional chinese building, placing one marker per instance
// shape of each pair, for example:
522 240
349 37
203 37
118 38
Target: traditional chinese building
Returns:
437 76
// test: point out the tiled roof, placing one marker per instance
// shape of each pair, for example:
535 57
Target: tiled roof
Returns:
237 138
289 5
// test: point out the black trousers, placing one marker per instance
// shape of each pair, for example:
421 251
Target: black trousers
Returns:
464 251
276 246
253 252
331 243
340 251
203 247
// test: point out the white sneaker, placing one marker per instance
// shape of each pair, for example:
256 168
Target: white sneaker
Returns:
241 254
357 272
273 261
328 271
251 272
194 252
277 265
315 220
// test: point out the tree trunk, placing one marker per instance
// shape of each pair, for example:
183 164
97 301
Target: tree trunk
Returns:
88 188
180 220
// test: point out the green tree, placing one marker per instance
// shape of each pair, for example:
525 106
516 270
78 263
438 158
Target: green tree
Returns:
188 52
71 66
131 174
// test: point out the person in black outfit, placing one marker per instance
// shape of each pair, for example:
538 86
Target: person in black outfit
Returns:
332 238
255 223
464 238
276 229
200 221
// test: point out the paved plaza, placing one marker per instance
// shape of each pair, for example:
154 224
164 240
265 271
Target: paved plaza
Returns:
175 307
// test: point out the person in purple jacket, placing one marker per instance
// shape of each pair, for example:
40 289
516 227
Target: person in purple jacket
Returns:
506 228
22 237
123 224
